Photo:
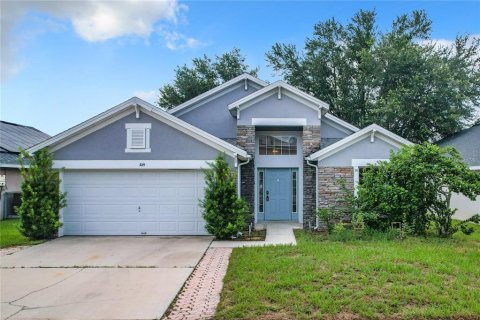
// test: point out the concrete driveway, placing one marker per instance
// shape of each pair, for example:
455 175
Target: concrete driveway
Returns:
98 277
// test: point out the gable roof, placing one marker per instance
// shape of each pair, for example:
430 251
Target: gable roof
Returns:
374 129
279 86
14 136
212 92
467 142
340 123
131 105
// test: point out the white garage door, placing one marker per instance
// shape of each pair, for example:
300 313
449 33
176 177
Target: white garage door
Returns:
163 202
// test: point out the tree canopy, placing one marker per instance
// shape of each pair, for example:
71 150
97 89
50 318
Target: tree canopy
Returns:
204 74
398 79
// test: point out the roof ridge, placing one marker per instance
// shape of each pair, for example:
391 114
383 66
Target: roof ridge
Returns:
20 125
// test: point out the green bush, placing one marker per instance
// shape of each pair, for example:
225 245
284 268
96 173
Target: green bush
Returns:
328 216
41 196
225 214
415 188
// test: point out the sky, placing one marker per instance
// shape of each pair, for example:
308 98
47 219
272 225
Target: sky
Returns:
63 62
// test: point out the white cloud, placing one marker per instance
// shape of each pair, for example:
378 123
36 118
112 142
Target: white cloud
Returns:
92 21
175 40
149 96
442 42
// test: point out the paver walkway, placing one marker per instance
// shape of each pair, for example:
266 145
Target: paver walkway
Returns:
201 294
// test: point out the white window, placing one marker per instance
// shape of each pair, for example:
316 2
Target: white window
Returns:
277 145
359 166
138 137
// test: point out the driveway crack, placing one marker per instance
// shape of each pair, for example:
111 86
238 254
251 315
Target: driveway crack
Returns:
23 307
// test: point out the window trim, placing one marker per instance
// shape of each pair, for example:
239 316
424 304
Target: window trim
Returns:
357 164
146 127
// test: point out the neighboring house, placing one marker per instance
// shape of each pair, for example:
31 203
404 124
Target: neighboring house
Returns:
137 169
13 137
467 143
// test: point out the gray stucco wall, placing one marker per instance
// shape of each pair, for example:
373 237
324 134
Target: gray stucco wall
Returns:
213 116
109 143
272 107
327 131
363 149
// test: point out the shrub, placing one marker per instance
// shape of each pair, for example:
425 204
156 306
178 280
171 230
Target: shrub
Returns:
415 188
224 212
41 196
328 216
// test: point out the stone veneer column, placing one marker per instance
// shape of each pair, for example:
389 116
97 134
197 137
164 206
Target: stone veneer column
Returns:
311 144
330 191
246 140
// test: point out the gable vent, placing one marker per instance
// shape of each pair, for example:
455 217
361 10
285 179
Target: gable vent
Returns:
138 138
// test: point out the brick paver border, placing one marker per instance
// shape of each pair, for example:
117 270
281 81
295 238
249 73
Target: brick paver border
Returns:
201 293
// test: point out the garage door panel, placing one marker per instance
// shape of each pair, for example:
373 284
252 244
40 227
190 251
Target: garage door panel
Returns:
187 226
148 227
74 213
186 193
168 226
105 178
168 210
108 203
118 193
74 194
111 228
72 227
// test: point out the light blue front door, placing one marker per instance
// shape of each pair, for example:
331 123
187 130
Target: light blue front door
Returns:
278 194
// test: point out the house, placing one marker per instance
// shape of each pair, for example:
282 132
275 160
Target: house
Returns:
467 143
136 169
13 136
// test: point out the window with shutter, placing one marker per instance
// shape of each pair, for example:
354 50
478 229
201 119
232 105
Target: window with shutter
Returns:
138 137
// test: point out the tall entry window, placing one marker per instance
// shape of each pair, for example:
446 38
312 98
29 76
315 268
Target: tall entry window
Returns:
277 145
261 186
294 191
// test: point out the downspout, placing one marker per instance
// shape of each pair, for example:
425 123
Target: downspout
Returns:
317 222
239 180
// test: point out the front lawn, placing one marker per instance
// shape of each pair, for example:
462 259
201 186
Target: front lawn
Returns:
10 236
319 279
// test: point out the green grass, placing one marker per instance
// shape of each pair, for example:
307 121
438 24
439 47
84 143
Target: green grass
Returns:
416 278
10 236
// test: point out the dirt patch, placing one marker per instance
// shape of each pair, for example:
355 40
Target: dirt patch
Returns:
11 250
256 235
275 316
344 315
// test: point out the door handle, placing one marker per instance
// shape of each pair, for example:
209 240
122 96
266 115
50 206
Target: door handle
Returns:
139 209
267 198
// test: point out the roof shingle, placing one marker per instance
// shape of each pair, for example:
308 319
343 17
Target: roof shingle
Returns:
467 142
14 136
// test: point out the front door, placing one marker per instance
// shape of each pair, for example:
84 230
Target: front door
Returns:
278 194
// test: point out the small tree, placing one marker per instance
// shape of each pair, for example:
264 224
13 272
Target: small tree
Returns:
415 187
41 196
224 212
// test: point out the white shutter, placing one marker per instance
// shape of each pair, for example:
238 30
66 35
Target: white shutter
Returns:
138 137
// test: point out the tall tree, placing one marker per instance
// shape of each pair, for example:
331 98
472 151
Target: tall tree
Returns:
398 79
204 74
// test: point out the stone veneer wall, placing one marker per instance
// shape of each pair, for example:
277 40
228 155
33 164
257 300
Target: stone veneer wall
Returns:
246 140
329 188
311 144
